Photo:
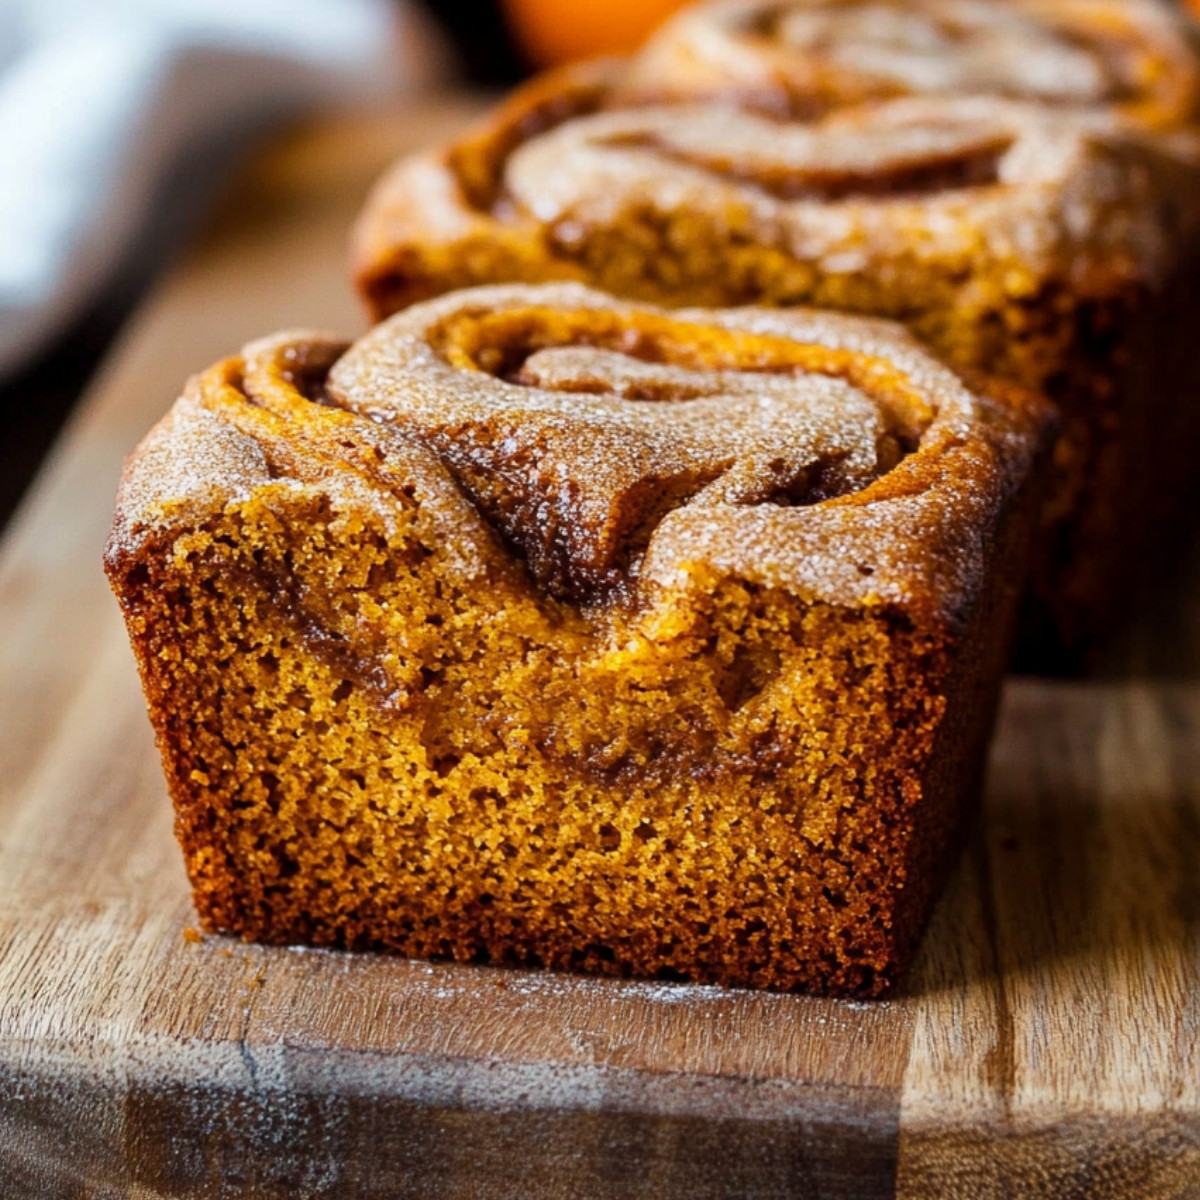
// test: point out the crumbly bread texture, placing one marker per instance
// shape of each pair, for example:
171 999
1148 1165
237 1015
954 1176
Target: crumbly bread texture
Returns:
543 628
1132 58
1035 244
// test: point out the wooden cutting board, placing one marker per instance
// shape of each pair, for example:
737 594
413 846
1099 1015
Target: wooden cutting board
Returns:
1045 1046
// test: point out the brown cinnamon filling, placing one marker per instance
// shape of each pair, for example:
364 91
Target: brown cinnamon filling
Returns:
478 162
580 493
936 172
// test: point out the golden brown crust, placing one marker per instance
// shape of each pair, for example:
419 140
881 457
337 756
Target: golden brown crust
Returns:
1128 57
739 754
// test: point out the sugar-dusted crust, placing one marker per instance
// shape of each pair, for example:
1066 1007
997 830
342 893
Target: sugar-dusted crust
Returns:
1132 58
690 425
544 628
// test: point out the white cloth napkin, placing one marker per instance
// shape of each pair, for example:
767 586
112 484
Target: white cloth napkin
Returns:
100 98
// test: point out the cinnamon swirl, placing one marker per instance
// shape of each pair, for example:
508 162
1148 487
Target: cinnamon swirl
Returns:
1131 58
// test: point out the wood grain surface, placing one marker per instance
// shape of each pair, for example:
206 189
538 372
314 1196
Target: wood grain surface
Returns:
1045 1046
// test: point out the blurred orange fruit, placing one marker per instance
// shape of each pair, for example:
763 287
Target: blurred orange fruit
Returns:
558 31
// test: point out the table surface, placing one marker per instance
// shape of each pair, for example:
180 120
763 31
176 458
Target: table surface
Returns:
1045 1045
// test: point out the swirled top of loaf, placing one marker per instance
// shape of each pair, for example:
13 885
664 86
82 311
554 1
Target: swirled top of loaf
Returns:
804 56
610 447
964 171
569 182
602 436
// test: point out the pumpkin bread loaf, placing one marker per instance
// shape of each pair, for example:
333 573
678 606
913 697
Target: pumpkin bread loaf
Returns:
539 627
1054 248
